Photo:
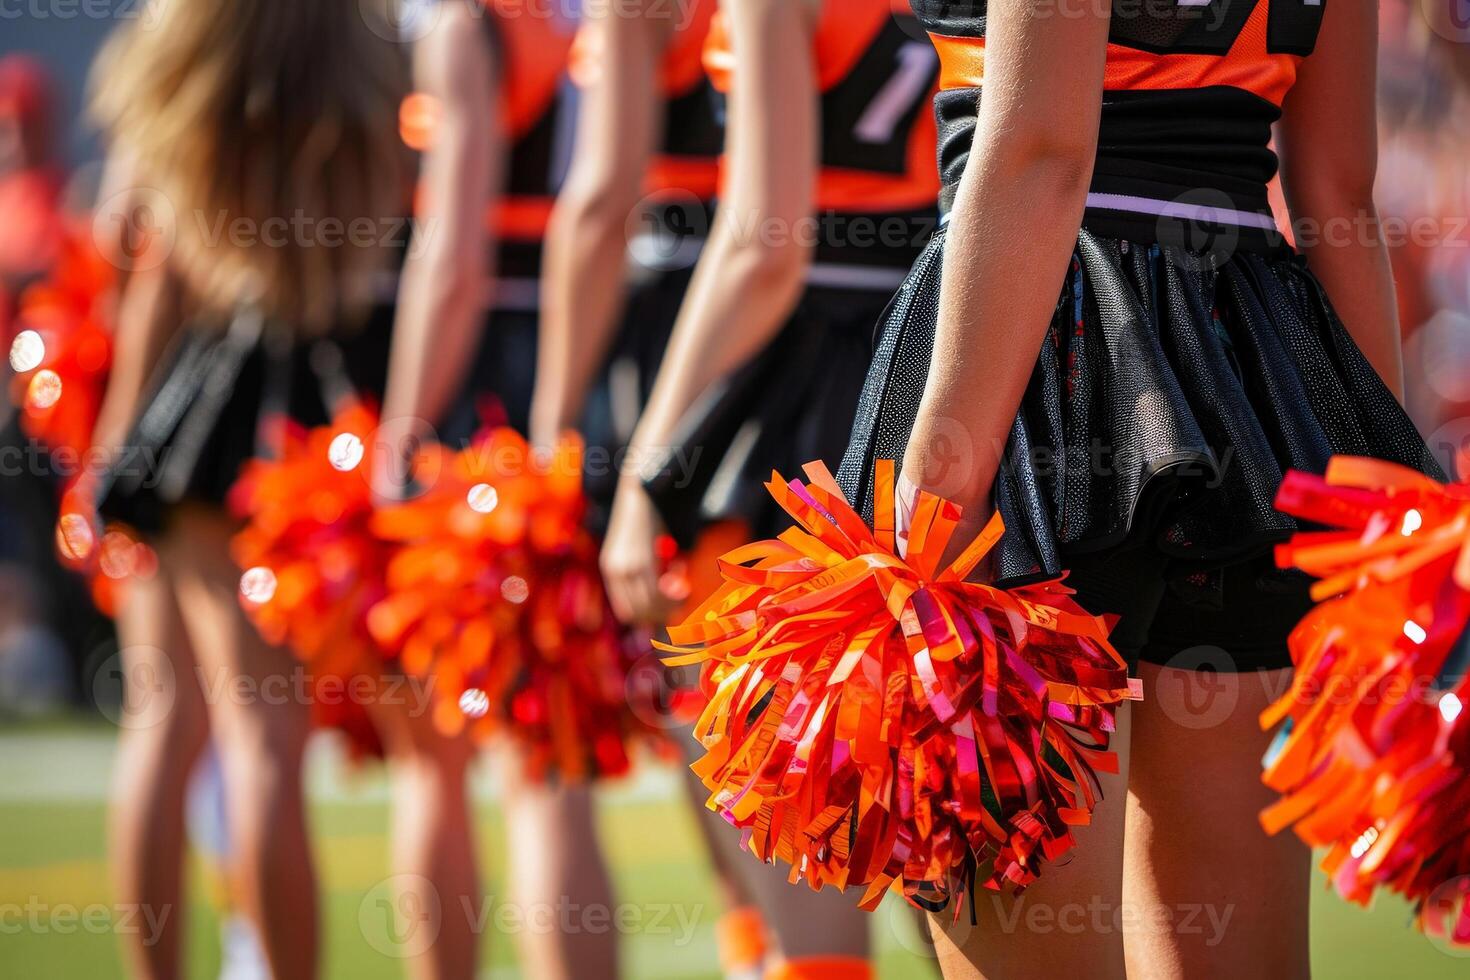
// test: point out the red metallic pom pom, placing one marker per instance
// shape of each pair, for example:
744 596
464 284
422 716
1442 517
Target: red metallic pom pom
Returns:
494 593
1371 760
311 567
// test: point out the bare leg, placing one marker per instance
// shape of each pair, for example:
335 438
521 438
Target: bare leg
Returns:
740 933
163 727
1066 924
433 837
261 722
803 924
721 844
1213 896
560 882
808 924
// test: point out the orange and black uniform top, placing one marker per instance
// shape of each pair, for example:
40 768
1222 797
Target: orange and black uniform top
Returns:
533 42
1190 93
683 177
536 109
693 133
876 74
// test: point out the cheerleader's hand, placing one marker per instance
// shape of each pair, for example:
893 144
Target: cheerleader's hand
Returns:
952 475
630 562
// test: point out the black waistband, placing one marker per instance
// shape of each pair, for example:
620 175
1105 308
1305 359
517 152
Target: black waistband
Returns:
873 240
1185 166
1191 216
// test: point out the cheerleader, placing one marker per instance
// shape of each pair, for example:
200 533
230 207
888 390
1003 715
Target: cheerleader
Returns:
826 194
493 88
648 145
248 118
646 153
1106 206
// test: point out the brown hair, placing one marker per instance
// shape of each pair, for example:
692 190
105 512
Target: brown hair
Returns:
276 117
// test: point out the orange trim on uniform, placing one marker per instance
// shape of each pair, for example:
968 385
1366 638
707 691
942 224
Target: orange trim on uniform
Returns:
699 176
520 218
536 42
683 63
845 31
822 968
961 61
1247 66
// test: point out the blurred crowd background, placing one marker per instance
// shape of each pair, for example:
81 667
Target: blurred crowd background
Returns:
56 647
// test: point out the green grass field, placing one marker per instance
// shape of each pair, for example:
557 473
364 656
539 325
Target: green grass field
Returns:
52 858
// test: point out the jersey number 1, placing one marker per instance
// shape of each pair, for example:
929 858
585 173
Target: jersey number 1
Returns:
895 101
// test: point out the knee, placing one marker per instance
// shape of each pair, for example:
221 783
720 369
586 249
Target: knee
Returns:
418 750
261 774
430 774
167 749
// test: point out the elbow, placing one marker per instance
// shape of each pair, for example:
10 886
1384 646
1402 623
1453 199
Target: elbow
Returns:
1054 163
1323 181
775 272
596 209
1341 191
440 279
464 281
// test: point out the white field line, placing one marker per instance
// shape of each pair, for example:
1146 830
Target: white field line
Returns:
76 767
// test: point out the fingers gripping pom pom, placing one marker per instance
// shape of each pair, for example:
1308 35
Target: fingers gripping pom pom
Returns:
1371 759
494 591
875 720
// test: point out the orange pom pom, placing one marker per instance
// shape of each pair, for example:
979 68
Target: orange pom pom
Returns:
311 568
495 594
62 349
876 719
1371 761
61 353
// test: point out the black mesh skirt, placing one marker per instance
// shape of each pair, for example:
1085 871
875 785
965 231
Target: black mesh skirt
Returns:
625 383
217 398
497 389
1172 392
792 405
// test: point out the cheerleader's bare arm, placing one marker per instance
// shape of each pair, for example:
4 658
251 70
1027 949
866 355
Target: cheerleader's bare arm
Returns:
1012 231
441 299
1328 138
583 282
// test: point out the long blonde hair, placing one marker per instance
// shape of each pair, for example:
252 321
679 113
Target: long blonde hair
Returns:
270 129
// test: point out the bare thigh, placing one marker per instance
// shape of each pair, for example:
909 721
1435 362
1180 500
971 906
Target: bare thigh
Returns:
1067 924
1208 892
255 691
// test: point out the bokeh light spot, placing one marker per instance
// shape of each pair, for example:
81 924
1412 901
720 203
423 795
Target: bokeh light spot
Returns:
27 351
258 585
345 452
